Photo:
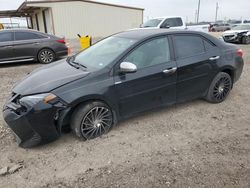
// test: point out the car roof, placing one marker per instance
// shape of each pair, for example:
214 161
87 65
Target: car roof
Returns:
28 30
144 33
165 17
141 34
21 29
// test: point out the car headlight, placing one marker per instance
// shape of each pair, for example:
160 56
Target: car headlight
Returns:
35 99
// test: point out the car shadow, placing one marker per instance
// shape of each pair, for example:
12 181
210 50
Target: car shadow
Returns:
69 138
159 110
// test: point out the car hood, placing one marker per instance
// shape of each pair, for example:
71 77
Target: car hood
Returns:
230 32
48 78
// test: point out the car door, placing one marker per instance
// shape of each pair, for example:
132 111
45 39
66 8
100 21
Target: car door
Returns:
26 44
153 84
6 46
196 63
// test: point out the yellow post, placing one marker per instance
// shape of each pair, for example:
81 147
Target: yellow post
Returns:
85 42
1 26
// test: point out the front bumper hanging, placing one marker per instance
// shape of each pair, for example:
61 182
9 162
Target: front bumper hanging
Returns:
34 126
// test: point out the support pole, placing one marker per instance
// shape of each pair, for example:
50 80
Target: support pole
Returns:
216 13
198 13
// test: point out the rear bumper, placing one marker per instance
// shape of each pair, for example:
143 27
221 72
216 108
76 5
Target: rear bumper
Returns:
61 54
34 127
239 68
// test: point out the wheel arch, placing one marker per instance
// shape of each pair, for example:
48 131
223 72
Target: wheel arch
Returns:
66 118
229 70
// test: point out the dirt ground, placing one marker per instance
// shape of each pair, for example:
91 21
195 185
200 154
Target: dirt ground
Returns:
195 144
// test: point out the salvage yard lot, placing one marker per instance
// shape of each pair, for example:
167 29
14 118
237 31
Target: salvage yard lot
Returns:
195 144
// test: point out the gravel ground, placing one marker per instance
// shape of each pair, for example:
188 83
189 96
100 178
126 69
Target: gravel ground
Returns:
195 144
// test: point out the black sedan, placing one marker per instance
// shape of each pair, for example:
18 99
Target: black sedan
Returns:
119 77
19 45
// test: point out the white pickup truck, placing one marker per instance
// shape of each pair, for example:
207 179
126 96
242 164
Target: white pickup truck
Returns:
173 22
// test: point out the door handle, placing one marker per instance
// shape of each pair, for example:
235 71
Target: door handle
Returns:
37 43
214 58
170 71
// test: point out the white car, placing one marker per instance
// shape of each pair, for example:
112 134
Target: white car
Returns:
238 34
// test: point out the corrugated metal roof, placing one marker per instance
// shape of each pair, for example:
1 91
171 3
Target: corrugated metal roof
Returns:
26 7
87 1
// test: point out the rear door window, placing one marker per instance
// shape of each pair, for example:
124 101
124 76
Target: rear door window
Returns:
173 22
6 37
27 36
188 46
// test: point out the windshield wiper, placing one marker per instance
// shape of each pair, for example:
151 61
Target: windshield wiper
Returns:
79 64
71 61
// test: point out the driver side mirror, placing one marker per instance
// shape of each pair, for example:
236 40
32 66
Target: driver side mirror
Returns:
127 67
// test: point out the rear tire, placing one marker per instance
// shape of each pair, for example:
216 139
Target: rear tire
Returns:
219 88
46 56
91 120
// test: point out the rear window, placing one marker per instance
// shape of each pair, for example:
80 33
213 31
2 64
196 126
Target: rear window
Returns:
27 36
173 22
188 46
152 23
6 37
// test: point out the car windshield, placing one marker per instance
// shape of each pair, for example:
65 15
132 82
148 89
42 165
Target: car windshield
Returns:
242 27
103 53
152 23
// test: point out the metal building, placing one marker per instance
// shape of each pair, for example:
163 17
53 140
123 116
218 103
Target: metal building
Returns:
70 17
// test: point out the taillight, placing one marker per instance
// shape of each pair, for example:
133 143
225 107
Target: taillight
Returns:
239 52
61 41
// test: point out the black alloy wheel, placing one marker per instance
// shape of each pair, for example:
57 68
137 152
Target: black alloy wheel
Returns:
92 120
219 88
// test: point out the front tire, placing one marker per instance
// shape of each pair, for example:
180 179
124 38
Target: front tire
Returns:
46 56
219 88
92 120
246 40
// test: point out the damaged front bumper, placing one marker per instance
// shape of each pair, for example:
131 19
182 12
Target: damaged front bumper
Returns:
234 38
33 123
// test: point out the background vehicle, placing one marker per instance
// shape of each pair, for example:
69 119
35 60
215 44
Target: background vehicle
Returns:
18 45
119 77
239 34
173 22
220 27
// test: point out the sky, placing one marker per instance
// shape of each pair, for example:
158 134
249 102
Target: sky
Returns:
228 9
